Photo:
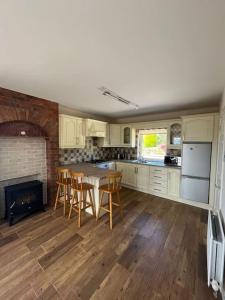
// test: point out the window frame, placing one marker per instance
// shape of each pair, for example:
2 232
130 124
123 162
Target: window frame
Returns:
146 132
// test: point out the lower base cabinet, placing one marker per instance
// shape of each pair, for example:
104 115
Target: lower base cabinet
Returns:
131 178
142 174
128 173
174 183
164 182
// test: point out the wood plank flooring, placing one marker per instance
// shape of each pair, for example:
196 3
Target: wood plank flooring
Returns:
156 252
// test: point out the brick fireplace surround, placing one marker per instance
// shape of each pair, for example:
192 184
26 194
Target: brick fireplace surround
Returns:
38 118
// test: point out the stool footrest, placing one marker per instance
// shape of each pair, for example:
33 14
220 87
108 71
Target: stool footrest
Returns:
102 207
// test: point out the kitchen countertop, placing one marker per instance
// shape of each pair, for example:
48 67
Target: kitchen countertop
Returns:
150 163
89 170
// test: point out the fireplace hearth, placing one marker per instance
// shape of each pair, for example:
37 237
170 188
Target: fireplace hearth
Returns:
22 200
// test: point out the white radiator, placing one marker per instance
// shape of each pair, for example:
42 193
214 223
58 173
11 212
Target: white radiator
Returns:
215 251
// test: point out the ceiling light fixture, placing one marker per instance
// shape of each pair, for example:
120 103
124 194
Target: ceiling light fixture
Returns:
107 92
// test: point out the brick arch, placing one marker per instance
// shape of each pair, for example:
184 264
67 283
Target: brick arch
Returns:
36 116
15 128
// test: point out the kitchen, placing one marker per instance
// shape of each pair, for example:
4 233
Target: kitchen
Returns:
112 150
117 147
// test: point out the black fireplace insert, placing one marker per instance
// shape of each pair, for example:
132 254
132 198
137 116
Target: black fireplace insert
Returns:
22 200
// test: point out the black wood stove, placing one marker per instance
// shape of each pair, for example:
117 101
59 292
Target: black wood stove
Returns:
22 200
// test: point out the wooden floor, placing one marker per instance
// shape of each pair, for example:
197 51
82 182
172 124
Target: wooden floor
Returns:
156 252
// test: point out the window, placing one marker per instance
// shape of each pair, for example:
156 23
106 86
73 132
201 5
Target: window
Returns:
152 144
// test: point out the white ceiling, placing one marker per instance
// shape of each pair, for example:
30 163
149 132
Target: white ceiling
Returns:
159 54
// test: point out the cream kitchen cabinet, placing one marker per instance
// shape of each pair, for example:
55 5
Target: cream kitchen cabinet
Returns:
158 180
174 177
104 141
120 167
174 135
127 136
143 174
71 132
118 136
134 175
115 135
95 128
198 128
129 176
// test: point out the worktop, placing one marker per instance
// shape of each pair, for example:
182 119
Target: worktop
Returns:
89 170
149 163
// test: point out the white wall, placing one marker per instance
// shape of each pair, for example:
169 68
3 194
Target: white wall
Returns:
222 197
223 101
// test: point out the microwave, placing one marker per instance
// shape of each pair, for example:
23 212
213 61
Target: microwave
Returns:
172 160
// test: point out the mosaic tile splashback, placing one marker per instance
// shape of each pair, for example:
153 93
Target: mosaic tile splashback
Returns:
67 156
94 152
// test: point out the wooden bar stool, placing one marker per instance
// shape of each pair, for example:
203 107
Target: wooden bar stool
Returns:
63 191
80 204
113 187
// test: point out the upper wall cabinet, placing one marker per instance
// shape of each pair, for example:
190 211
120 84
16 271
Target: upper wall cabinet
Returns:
175 135
114 135
95 128
198 128
71 132
121 135
127 136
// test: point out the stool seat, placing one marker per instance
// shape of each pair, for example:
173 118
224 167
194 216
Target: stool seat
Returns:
64 181
82 186
109 188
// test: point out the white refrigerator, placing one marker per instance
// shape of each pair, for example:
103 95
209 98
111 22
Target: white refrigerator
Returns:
196 164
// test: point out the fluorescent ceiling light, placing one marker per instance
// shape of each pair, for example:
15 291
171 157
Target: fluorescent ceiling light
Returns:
107 92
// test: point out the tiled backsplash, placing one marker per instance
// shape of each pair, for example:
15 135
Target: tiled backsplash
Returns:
67 156
21 159
95 152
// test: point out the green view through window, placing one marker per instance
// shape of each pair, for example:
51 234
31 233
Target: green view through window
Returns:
152 144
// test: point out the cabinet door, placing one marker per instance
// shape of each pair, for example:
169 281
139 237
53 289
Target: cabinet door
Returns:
80 138
106 141
68 132
198 129
89 127
131 176
126 135
121 168
115 135
143 175
174 183
100 128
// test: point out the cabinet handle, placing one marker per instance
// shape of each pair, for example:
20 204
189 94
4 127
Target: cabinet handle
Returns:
137 170
157 183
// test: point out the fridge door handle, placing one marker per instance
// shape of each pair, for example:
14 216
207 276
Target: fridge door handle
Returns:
194 177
